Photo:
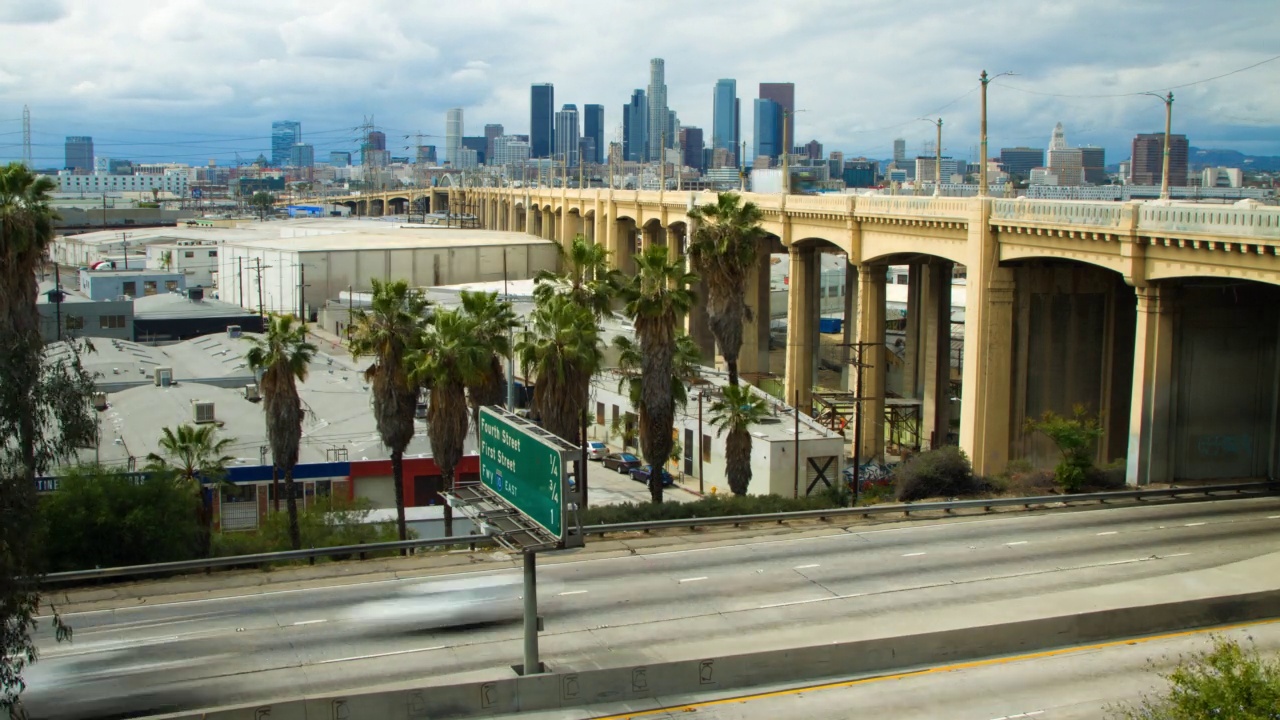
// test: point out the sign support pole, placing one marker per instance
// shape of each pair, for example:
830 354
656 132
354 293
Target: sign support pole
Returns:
532 666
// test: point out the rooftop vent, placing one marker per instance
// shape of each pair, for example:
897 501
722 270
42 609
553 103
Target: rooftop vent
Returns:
251 392
163 376
195 294
202 412
99 401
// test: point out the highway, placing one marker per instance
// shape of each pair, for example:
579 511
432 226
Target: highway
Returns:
633 608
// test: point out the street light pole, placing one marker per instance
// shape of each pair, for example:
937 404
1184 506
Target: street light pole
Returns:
1168 122
982 169
937 157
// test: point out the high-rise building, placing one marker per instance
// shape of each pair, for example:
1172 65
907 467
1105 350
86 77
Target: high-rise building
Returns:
659 116
926 168
302 155
1064 162
1018 161
426 155
509 150
1093 160
373 152
859 172
79 153
811 150
338 158
724 116
491 132
768 129
284 135
567 135
691 147
478 143
1148 159
453 128
899 152
784 94
542 120
635 127
377 140
593 129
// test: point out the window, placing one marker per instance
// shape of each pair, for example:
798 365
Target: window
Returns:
75 322
213 253
131 288
688 451
148 287
111 322
188 253
170 285
706 448
599 413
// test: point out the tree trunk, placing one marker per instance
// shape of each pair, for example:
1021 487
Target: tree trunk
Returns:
206 521
291 502
397 474
733 370
582 481
655 484
447 483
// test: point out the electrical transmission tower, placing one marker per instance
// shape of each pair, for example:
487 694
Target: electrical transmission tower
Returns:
26 137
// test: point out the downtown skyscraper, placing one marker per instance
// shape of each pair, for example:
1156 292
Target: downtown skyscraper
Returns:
635 128
567 136
784 94
452 135
542 120
284 135
726 128
659 115
593 130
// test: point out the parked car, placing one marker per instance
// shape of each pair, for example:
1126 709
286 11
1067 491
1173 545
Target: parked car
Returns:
596 450
622 462
641 474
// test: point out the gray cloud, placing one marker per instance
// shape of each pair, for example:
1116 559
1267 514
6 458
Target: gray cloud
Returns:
25 12
864 69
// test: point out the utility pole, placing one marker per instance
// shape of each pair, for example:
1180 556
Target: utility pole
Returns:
57 297
795 407
859 365
701 394
302 284
240 279
261 305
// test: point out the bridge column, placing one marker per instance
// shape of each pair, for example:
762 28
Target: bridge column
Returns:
754 355
1149 450
847 327
935 354
674 239
801 317
871 332
913 338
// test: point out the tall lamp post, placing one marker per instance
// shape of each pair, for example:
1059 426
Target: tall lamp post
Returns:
982 169
937 157
1168 122
786 151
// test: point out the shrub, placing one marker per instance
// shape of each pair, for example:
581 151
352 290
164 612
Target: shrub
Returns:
714 506
1076 437
328 522
1223 682
943 472
104 518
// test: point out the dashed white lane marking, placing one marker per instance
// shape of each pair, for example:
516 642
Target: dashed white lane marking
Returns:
812 600
1175 555
1023 715
696 579
378 655
309 622
1020 542
1109 532
805 567
573 592
914 554
1273 517
1193 524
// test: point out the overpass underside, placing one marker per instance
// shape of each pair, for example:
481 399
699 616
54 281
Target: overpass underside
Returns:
1173 349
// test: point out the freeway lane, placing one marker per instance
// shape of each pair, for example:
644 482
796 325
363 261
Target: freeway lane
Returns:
633 608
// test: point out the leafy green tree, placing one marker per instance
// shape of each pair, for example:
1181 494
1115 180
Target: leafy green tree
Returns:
656 298
45 416
284 356
263 202
101 517
493 321
561 352
736 411
389 330
625 429
722 251
452 357
1224 682
1077 438
194 455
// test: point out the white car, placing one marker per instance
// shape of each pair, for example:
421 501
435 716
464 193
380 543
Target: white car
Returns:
446 602
596 450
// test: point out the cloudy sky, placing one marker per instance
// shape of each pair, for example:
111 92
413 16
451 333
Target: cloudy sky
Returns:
191 80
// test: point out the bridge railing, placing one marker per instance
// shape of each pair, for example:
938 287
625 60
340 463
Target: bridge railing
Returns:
941 207
1061 212
1261 223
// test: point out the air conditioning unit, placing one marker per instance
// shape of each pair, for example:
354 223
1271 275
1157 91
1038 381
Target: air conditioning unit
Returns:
251 392
233 331
99 401
163 376
202 412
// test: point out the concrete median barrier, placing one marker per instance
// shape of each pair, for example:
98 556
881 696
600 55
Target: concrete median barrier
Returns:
570 687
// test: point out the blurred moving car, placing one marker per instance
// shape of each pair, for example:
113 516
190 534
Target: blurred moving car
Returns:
596 450
622 462
445 603
641 474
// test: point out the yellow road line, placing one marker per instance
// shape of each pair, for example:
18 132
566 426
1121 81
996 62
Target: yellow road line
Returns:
692 707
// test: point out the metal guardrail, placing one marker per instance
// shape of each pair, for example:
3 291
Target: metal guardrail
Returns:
458 540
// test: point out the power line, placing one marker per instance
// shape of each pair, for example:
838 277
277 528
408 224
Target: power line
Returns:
1142 92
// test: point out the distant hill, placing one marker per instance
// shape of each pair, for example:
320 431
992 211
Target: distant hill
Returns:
1202 158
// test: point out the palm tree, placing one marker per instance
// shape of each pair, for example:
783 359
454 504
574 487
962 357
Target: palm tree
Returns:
656 298
283 355
493 322
722 252
561 352
686 368
736 411
451 358
588 279
388 330
194 455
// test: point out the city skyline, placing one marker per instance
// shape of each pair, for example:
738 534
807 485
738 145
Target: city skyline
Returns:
206 101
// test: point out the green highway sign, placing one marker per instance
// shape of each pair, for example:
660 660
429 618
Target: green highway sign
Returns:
524 469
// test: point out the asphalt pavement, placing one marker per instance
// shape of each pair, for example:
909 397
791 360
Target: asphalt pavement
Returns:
777 592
